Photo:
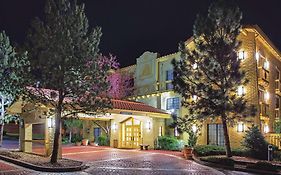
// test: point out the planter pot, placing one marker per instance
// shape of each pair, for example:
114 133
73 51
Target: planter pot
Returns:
85 142
78 143
187 152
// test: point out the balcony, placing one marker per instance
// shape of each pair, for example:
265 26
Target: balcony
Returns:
263 77
277 87
264 110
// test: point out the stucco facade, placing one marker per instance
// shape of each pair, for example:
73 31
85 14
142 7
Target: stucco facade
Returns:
260 60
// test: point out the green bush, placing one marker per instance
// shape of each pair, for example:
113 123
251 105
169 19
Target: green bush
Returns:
76 138
212 150
256 144
262 166
219 160
64 140
169 143
103 141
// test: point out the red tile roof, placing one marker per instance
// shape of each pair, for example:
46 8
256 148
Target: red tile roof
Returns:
135 106
117 104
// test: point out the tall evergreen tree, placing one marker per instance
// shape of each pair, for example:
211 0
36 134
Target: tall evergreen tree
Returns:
65 58
13 67
208 75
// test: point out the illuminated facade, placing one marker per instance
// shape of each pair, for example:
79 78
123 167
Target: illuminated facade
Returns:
261 61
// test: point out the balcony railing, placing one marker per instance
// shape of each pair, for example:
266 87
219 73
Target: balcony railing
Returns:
274 139
264 110
277 87
263 77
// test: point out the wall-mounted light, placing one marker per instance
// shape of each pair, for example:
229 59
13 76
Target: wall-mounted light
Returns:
114 127
194 98
266 128
240 127
51 122
148 125
241 91
266 65
266 96
242 55
257 56
194 128
195 66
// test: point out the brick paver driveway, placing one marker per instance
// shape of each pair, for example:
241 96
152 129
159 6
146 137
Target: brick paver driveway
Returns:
102 160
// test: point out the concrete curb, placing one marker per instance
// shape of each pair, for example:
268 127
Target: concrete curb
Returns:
41 168
197 160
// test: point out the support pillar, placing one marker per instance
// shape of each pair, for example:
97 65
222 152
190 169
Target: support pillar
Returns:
26 138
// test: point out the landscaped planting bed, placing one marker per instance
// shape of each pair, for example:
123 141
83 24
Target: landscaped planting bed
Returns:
40 161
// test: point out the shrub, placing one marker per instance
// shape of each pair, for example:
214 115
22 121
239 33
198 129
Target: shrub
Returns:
262 166
103 141
212 150
255 142
76 138
219 160
169 143
64 140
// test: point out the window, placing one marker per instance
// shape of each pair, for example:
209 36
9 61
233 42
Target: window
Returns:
173 103
215 134
277 102
161 131
169 75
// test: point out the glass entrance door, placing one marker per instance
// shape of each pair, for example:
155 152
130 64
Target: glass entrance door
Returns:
132 133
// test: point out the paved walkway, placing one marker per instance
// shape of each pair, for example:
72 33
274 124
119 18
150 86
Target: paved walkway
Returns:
104 160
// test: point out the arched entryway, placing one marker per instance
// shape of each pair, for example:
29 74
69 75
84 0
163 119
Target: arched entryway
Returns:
131 133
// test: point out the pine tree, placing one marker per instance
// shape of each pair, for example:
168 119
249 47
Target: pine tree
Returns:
65 58
256 143
208 75
13 68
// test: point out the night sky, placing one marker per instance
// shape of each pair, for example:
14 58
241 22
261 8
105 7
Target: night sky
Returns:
134 26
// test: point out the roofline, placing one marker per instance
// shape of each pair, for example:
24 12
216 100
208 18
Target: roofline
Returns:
264 37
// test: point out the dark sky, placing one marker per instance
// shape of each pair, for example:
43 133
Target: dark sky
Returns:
134 26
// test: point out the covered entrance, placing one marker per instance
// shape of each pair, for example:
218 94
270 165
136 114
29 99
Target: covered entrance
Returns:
131 133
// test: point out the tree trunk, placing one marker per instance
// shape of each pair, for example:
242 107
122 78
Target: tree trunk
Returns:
70 136
226 136
54 157
2 119
2 134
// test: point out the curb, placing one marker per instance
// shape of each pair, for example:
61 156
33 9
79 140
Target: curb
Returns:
41 168
197 160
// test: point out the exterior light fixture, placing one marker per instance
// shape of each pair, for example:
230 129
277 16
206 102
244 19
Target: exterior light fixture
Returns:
266 129
194 97
194 128
195 66
257 56
240 127
242 55
241 91
266 96
266 65
114 127
50 122
148 125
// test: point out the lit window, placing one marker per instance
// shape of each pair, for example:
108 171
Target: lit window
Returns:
266 65
242 55
266 96
241 91
161 131
169 75
266 129
257 56
240 127
173 103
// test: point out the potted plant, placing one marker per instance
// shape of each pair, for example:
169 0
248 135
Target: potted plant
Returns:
85 142
188 149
